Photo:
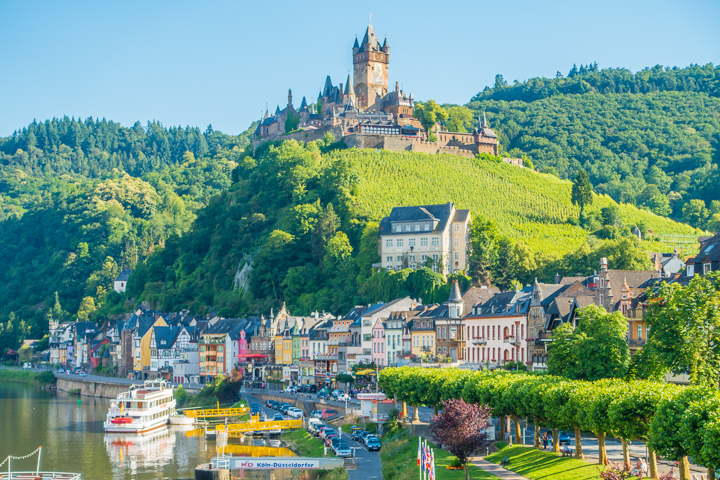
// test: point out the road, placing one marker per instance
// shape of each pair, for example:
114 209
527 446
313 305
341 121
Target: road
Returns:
368 463
101 378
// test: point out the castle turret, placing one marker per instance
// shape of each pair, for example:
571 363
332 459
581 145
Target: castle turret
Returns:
385 48
370 70
289 99
356 47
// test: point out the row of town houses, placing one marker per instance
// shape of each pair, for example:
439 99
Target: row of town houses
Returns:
482 327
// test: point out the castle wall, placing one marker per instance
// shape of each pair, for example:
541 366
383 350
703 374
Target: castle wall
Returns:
304 135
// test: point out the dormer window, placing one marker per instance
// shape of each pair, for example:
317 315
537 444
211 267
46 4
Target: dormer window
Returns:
427 227
690 270
706 268
398 228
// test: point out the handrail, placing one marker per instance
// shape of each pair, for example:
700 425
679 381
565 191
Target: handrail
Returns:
217 412
41 475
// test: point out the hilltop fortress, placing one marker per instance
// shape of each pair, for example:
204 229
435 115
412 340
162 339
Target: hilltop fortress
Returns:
366 114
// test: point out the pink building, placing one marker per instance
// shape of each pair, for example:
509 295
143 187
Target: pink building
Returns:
496 330
378 343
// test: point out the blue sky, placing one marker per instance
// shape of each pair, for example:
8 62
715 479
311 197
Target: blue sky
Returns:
220 62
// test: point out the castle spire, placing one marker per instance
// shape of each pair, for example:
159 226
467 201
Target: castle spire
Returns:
484 123
349 89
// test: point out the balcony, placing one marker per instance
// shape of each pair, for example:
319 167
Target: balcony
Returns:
479 341
637 342
546 335
512 340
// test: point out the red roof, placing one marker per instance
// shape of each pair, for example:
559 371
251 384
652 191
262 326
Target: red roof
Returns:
251 355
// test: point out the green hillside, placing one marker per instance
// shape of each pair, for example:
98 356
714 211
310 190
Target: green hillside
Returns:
527 206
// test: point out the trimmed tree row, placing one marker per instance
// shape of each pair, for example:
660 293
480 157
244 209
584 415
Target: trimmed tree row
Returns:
675 422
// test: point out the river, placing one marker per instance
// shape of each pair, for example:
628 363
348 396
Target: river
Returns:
69 428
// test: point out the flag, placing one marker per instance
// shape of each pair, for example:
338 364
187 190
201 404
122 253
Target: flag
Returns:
432 464
419 449
427 457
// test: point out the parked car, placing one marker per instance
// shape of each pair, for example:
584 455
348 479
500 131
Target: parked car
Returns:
328 438
316 414
278 417
373 443
563 438
318 430
294 412
357 434
312 389
334 442
326 432
285 408
343 450
363 436
290 389
328 412
268 403
338 393
323 394
62 370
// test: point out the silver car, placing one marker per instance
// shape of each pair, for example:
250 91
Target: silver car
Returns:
343 450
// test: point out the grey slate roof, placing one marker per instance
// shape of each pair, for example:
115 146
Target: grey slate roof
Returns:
418 214
124 275
168 334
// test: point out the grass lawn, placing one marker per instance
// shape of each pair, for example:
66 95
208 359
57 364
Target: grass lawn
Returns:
304 444
399 462
537 464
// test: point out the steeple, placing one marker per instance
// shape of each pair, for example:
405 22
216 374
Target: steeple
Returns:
370 41
303 104
349 89
289 97
356 47
484 123
328 87
267 114
386 47
455 295
277 110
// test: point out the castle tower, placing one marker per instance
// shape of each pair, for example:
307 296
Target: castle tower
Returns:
370 63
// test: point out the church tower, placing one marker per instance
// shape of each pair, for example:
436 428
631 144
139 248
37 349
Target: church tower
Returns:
370 63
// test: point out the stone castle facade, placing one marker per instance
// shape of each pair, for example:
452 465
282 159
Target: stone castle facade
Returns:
366 114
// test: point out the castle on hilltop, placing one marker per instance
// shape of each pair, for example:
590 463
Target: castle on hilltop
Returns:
366 114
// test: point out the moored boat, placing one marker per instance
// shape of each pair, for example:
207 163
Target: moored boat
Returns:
141 409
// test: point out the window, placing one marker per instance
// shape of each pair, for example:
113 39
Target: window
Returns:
427 227
398 228
423 258
388 259
417 227
389 242
457 227
398 258
435 257
706 268
411 242
457 242
407 228
639 332
690 271
457 255
400 242
435 241
411 258
423 241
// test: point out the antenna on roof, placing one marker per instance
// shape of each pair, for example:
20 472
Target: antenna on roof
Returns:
370 18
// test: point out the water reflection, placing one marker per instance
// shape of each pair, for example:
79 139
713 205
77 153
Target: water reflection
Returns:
70 430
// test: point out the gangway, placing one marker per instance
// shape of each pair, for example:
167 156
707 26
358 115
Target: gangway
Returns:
216 412
265 463
237 429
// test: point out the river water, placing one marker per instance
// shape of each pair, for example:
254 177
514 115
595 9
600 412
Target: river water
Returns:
73 440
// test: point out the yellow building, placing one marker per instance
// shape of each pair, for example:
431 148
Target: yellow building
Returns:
284 346
141 358
423 336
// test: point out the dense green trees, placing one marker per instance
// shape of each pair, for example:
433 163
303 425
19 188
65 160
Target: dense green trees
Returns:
656 128
685 328
596 349
674 421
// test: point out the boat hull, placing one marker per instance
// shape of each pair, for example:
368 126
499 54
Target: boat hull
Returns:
181 420
134 429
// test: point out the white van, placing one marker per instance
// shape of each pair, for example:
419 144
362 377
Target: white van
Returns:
313 424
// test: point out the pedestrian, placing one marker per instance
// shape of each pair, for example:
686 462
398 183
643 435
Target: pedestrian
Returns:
544 441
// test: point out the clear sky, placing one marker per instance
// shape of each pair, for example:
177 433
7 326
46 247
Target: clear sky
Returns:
220 62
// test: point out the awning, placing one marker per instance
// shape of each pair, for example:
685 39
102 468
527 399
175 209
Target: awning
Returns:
251 355
365 372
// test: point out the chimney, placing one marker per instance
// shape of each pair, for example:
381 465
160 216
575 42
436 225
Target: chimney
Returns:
557 279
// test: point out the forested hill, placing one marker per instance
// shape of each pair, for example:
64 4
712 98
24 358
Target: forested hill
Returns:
651 138
81 200
41 157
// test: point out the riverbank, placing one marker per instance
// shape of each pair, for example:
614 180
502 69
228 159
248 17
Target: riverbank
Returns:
28 377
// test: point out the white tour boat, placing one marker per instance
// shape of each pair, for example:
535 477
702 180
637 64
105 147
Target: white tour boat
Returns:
141 408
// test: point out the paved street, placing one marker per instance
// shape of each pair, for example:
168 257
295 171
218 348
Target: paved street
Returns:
368 463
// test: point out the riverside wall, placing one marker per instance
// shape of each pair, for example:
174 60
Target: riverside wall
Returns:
91 388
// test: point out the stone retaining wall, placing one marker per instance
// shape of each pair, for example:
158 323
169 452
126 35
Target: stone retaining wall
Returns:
91 388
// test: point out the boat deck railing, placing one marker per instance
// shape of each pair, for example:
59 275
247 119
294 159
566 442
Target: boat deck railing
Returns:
39 475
